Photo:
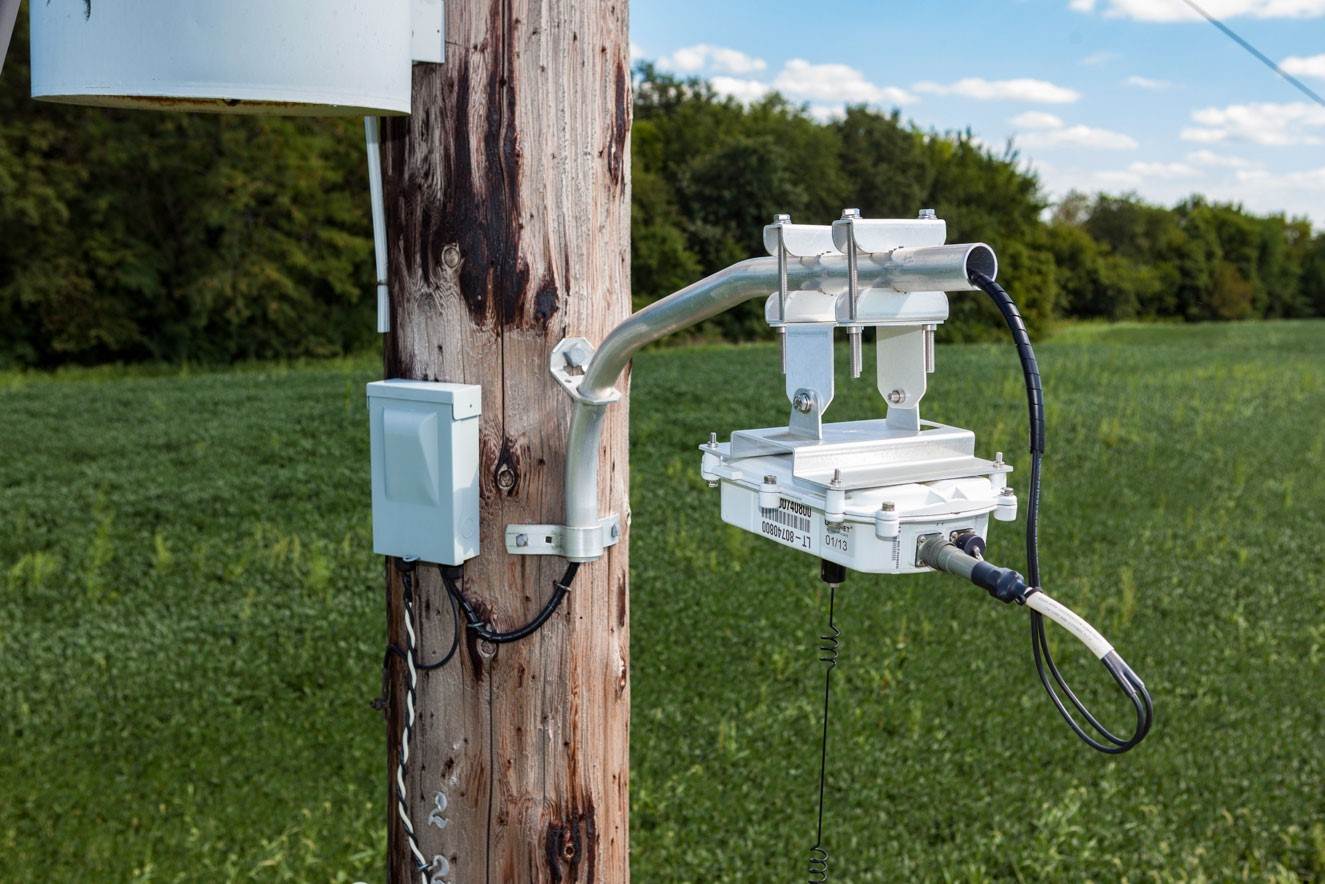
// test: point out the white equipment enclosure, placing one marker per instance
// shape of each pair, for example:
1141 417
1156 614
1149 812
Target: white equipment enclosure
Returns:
330 57
425 469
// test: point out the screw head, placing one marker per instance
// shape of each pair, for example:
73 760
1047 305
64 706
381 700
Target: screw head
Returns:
505 477
803 401
770 480
897 397
616 531
522 540
888 506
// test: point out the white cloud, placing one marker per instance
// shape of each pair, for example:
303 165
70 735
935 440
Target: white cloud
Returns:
1296 193
1037 120
636 51
1217 160
1175 10
1299 192
705 56
1147 83
828 88
825 113
1080 136
740 89
1203 136
1163 170
1038 91
1268 123
1047 130
1305 66
835 83
1098 58
1310 179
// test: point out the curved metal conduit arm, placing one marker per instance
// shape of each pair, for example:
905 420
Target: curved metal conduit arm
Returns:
585 533
728 288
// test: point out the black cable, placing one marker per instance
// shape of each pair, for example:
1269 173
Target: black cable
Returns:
407 588
1127 680
476 624
828 648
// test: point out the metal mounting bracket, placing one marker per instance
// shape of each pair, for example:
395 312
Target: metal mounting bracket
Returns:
570 359
8 15
428 31
575 544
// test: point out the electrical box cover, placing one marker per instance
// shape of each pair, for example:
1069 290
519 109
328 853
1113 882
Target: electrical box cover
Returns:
425 469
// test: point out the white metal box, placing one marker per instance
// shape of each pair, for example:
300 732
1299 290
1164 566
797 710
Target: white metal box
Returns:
229 56
425 469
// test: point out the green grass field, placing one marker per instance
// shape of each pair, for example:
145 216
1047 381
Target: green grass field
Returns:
191 630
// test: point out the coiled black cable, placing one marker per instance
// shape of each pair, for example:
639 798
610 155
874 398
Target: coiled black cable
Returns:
480 628
829 644
1127 680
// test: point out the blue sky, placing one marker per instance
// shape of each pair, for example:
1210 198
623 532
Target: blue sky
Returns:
1111 95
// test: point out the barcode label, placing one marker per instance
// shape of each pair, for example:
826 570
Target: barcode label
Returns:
787 523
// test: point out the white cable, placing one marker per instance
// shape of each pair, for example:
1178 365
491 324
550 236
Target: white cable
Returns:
1069 620
402 809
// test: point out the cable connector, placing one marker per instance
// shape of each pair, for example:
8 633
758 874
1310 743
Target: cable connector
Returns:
1003 584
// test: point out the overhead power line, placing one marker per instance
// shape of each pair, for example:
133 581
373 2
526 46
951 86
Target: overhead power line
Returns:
1265 59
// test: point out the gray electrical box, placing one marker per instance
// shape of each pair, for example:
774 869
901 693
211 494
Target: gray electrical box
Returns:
425 469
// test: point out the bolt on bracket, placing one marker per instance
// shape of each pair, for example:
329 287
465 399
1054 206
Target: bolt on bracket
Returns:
568 363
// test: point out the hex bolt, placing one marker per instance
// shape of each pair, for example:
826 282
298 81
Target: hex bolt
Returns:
522 540
781 219
1007 492
770 480
897 397
505 477
998 458
803 401
713 440
888 506
928 215
837 478
850 213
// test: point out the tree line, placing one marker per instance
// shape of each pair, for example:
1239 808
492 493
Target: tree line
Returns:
710 172
132 236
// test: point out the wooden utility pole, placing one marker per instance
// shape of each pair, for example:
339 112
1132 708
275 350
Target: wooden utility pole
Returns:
508 206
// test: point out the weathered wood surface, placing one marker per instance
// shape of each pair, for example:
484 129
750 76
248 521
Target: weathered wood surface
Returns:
508 203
